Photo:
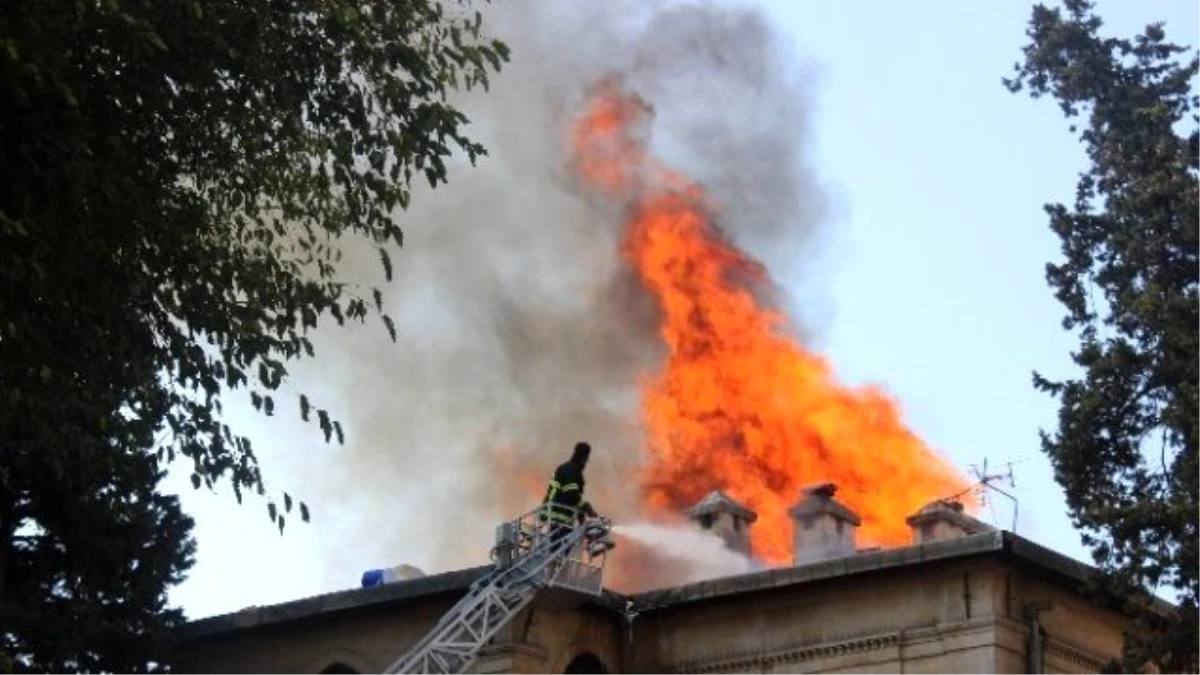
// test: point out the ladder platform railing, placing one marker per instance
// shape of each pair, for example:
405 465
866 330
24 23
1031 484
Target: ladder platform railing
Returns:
531 552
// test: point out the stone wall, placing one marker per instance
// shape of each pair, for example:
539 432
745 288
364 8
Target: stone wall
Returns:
933 618
560 636
1078 636
954 616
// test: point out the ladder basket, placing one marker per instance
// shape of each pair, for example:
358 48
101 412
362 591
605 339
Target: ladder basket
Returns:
529 555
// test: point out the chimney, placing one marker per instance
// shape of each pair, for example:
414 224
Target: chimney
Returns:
941 520
718 513
822 527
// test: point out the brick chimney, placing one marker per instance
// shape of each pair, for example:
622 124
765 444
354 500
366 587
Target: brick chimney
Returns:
941 520
718 513
822 527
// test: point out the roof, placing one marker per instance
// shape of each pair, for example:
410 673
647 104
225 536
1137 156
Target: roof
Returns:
1021 551
357 598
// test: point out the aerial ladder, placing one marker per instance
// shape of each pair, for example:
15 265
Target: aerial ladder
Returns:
530 554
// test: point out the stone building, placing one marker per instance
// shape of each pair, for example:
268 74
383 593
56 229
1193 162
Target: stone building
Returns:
962 598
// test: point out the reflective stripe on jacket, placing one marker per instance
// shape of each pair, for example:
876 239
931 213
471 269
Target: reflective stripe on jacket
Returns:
565 490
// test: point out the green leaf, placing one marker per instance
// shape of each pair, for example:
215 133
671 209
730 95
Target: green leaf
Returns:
304 407
304 512
154 39
68 95
11 50
287 502
326 428
387 263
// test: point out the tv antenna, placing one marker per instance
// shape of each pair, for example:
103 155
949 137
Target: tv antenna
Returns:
990 481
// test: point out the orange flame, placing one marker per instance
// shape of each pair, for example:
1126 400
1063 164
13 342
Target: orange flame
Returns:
740 405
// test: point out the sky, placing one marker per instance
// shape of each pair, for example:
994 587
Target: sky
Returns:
930 280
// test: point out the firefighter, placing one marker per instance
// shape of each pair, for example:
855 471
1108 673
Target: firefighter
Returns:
564 502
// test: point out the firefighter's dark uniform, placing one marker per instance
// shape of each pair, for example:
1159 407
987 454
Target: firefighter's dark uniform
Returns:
564 495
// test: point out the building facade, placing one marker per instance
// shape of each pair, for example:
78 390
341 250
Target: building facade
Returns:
962 598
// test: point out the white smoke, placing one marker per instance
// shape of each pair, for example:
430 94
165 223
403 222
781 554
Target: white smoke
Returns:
695 555
521 328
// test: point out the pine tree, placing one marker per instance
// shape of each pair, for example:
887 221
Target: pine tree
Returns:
1126 443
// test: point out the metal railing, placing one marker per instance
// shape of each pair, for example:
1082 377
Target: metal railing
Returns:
578 553
530 553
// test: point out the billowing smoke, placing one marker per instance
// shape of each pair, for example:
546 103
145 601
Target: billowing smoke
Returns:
520 329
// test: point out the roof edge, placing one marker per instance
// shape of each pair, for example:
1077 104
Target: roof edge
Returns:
996 542
988 542
336 601
1080 572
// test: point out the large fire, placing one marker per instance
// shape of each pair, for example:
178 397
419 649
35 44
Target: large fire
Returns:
740 405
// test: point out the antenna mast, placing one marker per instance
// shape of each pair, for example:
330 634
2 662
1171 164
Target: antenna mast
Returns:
987 481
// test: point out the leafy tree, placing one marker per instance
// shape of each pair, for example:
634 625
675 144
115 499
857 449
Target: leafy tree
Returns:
1125 447
176 180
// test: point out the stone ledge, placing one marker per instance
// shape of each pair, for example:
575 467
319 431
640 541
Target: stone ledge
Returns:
1012 635
933 641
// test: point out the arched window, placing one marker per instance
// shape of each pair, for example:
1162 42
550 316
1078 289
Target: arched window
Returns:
586 662
338 667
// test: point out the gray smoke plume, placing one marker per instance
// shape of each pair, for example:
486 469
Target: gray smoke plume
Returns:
521 331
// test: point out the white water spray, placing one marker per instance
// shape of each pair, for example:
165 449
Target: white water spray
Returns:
701 555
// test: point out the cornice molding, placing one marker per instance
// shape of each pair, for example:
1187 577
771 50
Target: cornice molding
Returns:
793 654
1055 647
1074 655
860 643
